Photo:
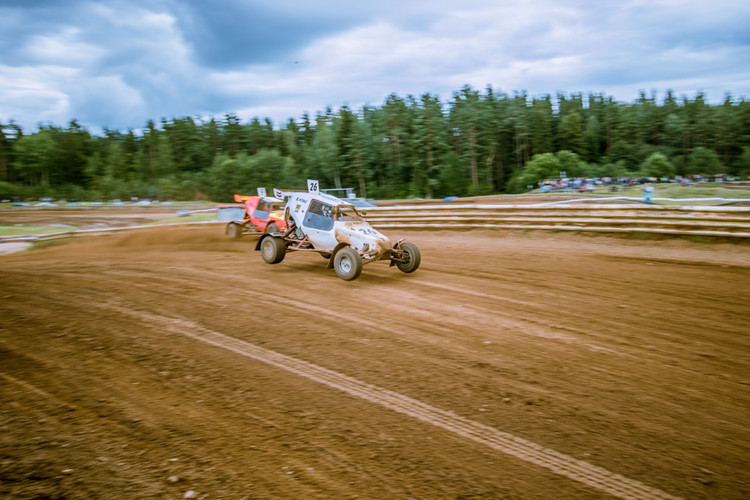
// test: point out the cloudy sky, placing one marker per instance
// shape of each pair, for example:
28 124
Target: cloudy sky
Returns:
119 63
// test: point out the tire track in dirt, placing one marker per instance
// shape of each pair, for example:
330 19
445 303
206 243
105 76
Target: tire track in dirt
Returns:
528 451
528 326
536 326
39 392
545 323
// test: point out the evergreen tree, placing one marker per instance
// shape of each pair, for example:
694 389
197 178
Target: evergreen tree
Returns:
9 136
344 126
572 133
464 118
474 144
72 149
395 127
428 145
233 136
541 126
323 155
36 158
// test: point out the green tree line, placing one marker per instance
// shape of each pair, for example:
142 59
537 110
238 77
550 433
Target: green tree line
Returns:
478 142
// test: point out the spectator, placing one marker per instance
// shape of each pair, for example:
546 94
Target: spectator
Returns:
648 192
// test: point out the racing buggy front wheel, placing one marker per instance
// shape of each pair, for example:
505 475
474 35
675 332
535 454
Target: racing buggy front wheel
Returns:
347 263
272 249
409 257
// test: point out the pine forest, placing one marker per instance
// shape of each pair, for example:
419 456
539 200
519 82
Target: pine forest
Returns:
477 143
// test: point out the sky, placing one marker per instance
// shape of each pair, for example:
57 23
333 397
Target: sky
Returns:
118 63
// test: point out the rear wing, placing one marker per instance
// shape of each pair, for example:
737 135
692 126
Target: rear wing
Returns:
279 194
240 198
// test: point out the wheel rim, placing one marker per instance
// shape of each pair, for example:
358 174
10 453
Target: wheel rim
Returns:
267 250
345 265
407 262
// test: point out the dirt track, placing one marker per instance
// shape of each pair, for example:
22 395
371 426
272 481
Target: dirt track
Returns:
539 365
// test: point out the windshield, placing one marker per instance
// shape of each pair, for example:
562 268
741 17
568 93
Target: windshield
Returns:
270 206
347 213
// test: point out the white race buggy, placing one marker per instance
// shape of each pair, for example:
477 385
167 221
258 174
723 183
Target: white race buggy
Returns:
321 223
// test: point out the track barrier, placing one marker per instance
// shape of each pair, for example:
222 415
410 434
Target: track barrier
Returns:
577 215
570 215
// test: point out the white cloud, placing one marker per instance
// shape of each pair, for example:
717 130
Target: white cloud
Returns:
126 62
473 47
64 48
32 93
108 100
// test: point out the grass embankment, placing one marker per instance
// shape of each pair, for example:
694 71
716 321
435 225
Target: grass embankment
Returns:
10 231
678 192
33 230
204 217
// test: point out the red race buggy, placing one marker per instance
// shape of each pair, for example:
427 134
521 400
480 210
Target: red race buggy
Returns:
262 215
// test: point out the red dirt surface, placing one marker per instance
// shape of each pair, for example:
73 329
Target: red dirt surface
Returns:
154 363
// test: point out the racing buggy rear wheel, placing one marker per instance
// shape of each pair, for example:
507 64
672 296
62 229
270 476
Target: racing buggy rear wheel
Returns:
347 263
272 228
234 231
272 249
410 257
